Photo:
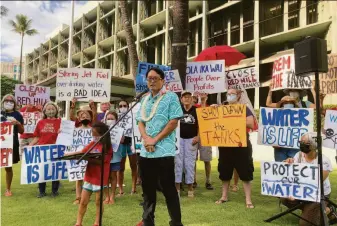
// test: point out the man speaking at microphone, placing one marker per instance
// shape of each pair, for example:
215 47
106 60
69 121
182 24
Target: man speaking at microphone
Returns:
157 120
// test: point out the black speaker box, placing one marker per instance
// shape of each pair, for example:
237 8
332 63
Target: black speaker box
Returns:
311 56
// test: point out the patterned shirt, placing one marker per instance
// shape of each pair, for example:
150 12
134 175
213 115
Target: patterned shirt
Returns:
168 108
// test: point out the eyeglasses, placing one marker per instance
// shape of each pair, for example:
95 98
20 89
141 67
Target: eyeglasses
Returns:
154 79
121 106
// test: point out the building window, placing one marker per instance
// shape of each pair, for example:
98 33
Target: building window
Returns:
248 20
14 76
312 11
191 38
218 28
293 13
14 68
271 17
235 26
216 3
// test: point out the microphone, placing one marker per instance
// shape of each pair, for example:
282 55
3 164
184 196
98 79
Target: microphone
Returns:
141 94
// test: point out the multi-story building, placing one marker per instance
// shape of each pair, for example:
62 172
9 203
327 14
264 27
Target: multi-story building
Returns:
262 30
12 69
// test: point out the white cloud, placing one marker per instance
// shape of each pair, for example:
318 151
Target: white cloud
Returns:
46 16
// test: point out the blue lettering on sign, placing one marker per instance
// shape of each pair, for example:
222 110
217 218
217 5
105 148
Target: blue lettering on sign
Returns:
33 174
302 191
285 117
333 118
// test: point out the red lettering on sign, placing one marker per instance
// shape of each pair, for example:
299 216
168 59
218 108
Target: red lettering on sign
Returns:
4 156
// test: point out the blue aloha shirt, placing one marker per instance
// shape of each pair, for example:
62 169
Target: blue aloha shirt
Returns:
168 108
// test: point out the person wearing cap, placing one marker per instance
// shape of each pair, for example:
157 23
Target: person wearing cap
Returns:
309 155
189 139
46 132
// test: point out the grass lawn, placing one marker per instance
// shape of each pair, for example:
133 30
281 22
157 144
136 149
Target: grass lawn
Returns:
23 208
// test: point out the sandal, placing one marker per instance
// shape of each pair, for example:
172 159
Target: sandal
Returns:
77 201
234 188
220 201
8 193
250 206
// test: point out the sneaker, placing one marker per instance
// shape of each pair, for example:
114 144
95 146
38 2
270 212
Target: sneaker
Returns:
141 223
209 186
190 194
41 195
195 184
54 194
8 193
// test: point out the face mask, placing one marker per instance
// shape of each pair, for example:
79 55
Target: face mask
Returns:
123 110
288 106
8 105
50 113
85 122
231 98
294 94
305 148
110 122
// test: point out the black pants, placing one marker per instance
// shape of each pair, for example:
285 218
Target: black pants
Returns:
54 187
152 169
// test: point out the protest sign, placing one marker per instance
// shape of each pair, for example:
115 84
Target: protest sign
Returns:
173 82
330 127
65 137
30 120
223 126
246 77
297 180
284 127
206 76
80 138
83 83
284 77
29 94
328 81
141 83
6 154
39 164
126 123
116 135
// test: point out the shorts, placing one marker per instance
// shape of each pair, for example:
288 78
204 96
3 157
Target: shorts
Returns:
126 150
239 158
116 166
92 187
205 153
281 154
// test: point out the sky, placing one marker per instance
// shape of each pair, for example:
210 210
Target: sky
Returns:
46 17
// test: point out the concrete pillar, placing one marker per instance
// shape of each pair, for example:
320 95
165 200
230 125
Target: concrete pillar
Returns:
156 52
303 13
257 50
117 17
204 25
228 31
167 24
285 15
241 23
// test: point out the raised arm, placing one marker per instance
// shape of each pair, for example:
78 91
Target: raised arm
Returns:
72 109
93 108
269 102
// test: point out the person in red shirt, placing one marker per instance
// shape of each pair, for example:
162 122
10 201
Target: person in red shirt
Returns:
85 116
46 132
92 182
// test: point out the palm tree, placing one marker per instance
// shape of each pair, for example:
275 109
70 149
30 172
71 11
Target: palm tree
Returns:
22 26
179 40
130 40
4 11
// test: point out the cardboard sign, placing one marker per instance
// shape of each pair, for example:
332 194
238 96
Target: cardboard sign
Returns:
284 77
223 126
66 132
116 135
83 83
330 127
30 120
141 83
173 81
126 124
80 138
29 94
6 154
297 180
247 77
206 76
284 127
39 164
328 81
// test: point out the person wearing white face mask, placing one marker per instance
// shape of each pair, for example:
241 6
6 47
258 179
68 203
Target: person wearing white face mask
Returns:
13 117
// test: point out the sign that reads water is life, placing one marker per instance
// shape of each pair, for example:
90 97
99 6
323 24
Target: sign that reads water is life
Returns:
83 83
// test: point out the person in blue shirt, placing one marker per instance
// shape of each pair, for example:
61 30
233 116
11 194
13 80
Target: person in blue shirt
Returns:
157 120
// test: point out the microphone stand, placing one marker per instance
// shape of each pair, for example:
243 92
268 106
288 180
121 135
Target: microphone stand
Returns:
137 100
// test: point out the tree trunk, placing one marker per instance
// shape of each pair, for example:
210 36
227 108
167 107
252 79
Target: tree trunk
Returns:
130 40
21 58
180 37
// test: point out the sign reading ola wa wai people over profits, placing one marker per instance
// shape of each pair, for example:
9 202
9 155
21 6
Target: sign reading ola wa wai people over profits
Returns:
284 127
328 81
206 76
30 120
246 77
173 81
330 128
29 94
141 83
296 180
6 154
83 83
223 126
284 77
39 164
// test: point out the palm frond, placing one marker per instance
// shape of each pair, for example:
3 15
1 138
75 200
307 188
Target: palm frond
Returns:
32 32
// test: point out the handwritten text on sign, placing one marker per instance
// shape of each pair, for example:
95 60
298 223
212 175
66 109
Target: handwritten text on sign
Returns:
39 164
126 123
84 84
29 94
116 135
329 80
141 83
223 126
246 77
81 138
330 127
30 120
300 181
206 76
284 77
173 82
6 155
